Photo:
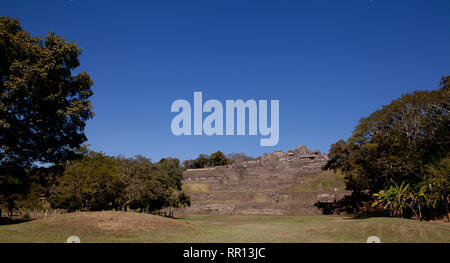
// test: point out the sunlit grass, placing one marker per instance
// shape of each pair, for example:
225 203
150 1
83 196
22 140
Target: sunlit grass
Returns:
225 228
323 181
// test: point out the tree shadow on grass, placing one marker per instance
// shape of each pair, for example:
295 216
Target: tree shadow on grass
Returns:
355 206
12 221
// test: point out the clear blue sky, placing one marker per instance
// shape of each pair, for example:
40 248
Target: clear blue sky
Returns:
328 62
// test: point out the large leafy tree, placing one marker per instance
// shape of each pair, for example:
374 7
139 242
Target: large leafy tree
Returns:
92 183
140 186
169 174
152 186
43 106
405 142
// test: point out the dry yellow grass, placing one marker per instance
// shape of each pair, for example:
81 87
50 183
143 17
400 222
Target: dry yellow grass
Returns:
113 221
135 227
104 226
260 198
199 188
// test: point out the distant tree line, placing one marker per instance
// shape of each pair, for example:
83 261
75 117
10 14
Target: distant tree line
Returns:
215 159
398 158
101 182
204 160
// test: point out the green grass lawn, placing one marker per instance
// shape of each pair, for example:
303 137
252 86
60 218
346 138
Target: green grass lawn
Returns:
132 227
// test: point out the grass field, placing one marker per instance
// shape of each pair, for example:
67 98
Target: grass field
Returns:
322 181
134 227
200 188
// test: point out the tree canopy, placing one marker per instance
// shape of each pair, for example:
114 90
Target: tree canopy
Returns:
406 143
43 106
101 182
204 160
92 183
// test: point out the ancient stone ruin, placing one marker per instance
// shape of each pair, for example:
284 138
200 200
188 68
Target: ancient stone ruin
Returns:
271 184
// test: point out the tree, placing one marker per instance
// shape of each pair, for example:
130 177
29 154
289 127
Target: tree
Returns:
436 187
140 184
170 175
152 186
218 159
188 164
201 161
92 183
398 145
43 107
176 200
14 183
